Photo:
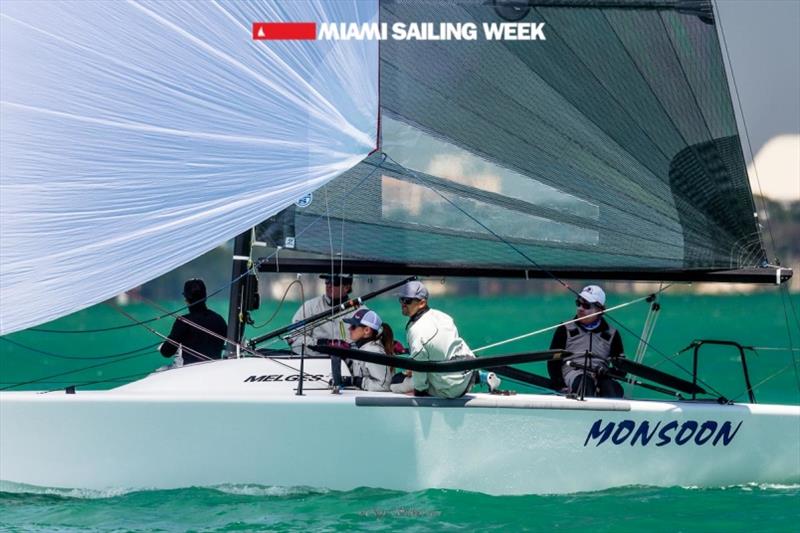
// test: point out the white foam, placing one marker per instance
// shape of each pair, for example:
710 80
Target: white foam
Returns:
260 490
85 494
749 487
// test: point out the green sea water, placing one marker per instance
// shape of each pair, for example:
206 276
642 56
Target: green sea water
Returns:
755 320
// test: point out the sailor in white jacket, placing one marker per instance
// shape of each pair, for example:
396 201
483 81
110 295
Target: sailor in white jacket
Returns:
369 333
337 290
432 336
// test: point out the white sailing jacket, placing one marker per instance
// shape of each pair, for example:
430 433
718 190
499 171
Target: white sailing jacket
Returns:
375 377
335 329
434 337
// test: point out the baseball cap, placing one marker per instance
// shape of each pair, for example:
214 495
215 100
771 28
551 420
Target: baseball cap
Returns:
365 317
414 289
337 279
593 294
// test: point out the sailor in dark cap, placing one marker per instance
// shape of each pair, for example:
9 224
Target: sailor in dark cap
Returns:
330 332
196 344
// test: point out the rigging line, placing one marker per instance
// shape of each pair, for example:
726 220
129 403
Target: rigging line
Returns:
669 359
191 324
97 330
135 322
543 330
553 276
330 244
321 215
166 338
543 390
772 349
116 379
532 209
242 348
784 290
791 306
746 131
72 371
77 358
280 304
481 224
768 378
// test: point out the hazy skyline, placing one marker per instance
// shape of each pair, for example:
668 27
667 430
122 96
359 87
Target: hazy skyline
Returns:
763 40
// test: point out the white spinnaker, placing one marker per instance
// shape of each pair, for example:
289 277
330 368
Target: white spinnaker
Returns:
136 136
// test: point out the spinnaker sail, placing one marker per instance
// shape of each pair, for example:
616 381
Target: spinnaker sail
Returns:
136 136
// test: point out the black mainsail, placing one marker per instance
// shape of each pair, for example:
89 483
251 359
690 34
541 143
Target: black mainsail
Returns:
610 149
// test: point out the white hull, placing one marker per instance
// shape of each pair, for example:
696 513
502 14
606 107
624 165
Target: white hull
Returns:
207 425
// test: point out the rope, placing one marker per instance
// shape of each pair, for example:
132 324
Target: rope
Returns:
77 358
538 331
116 379
484 226
768 378
280 304
164 337
744 124
70 372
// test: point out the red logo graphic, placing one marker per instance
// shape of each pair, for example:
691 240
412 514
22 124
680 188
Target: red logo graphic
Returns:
284 31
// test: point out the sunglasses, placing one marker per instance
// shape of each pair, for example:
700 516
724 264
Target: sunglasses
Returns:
407 301
583 304
353 326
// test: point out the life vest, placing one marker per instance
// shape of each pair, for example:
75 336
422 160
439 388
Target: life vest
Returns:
579 341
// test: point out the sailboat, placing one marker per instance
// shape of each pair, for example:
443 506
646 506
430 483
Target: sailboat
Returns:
609 150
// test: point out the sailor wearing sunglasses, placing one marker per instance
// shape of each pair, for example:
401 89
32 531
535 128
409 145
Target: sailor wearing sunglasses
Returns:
432 336
332 332
591 335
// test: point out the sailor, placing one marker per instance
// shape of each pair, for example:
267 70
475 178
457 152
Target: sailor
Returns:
188 330
432 336
331 332
591 335
369 333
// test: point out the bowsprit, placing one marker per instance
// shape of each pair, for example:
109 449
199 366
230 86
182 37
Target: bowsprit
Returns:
674 432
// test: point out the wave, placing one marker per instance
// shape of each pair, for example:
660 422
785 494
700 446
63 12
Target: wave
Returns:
272 491
11 487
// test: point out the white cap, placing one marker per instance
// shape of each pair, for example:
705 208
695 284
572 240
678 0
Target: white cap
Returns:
594 295
414 289
365 317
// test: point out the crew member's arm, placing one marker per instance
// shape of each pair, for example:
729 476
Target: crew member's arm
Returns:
419 379
177 334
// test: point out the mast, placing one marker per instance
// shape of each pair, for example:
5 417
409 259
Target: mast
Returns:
237 311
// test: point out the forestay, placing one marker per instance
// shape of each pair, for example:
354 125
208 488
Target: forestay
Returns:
136 136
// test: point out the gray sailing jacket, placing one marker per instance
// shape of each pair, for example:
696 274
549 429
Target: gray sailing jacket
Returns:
604 342
374 377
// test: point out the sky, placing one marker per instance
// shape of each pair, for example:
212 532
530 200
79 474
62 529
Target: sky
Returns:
763 40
